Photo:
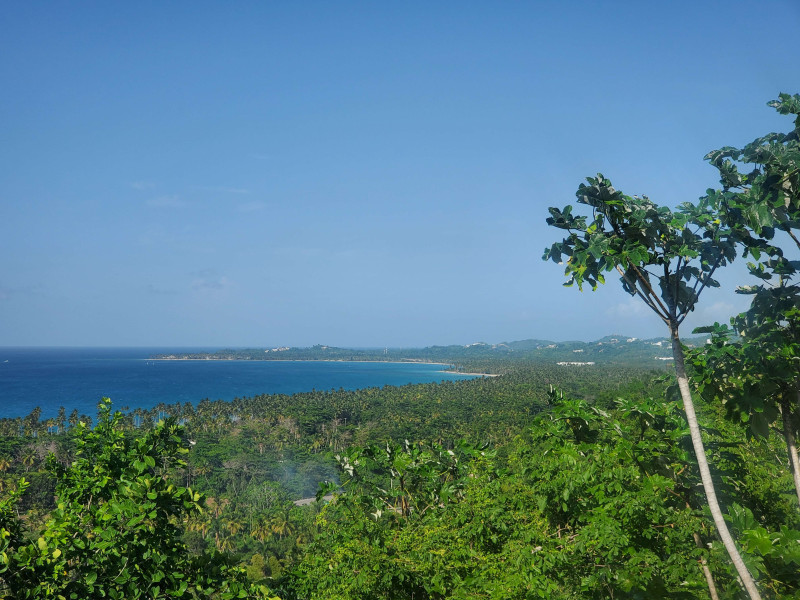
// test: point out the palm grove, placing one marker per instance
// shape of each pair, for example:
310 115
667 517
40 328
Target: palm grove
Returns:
542 483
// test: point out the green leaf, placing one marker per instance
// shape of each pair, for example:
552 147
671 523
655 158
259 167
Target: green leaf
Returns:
759 425
134 521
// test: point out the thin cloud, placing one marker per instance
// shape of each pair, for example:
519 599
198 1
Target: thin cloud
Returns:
253 206
298 251
222 189
632 308
719 311
6 293
166 202
203 273
151 289
207 281
142 185
217 284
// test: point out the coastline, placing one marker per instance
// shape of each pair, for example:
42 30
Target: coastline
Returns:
379 362
472 374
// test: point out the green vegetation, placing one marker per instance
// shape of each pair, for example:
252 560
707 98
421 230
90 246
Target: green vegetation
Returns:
653 248
677 254
478 357
589 503
549 481
116 529
579 498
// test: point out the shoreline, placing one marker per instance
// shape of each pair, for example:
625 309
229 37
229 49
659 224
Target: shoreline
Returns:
341 360
389 362
473 374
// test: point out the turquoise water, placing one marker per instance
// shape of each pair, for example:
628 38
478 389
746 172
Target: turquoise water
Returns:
79 377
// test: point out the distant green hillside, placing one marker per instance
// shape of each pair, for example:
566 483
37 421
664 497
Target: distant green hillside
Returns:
478 356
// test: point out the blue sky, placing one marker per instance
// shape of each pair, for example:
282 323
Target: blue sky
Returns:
352 174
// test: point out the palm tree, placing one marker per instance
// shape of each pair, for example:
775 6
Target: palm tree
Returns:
223 543
262 531
281 524
32 424
28 458
233 526
61 419
201 526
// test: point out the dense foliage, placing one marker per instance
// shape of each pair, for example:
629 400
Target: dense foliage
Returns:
588 496
588 503
116 530
254 456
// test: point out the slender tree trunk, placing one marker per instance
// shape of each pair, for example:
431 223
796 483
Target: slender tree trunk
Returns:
712 588
705 474
791 443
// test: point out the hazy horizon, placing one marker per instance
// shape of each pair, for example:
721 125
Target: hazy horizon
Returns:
214 347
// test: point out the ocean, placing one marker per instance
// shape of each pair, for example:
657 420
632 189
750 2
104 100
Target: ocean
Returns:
77 378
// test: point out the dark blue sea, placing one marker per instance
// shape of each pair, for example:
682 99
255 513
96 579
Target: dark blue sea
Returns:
77 378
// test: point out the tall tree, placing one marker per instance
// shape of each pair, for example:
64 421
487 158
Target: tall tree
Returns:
665 258
61 419
761 200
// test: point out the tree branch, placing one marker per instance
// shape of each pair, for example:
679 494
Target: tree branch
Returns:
664 313
697 292
638 292
677 278
793 236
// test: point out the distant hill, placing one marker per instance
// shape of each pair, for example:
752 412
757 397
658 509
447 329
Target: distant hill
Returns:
611 349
